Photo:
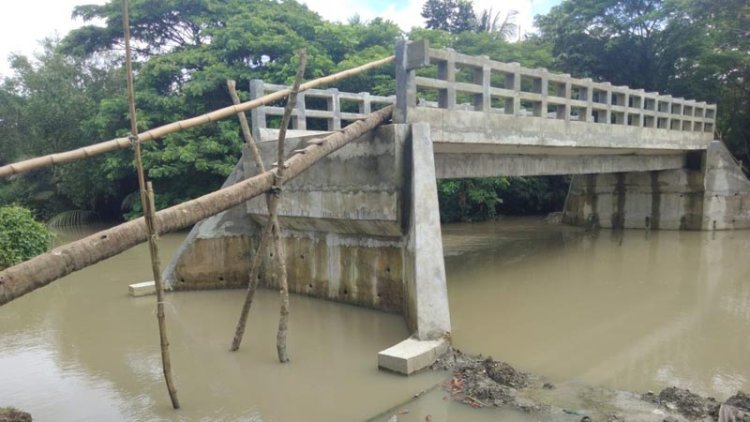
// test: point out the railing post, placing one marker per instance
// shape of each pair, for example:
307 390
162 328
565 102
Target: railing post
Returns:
258 114
483 101
514 83
608 100
409 56
626 103
365 107
300 120
334 106
589 112
447 72
567 88
542 87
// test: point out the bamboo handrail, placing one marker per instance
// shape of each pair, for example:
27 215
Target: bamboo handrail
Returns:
151 134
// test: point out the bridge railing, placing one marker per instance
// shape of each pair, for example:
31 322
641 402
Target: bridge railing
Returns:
445 79
317 109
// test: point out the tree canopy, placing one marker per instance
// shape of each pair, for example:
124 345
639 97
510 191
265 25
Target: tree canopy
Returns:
73 93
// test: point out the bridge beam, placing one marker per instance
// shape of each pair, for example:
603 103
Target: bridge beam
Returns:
456 166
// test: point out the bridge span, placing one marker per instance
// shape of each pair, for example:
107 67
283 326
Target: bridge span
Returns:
363 227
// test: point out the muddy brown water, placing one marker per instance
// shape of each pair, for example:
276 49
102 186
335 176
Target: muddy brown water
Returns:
634 311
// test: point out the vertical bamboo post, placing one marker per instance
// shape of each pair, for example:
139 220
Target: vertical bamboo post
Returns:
156 267
272 227
149 214
278 180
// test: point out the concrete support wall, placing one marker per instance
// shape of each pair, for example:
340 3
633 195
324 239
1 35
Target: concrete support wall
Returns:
715 195
426 305
361 227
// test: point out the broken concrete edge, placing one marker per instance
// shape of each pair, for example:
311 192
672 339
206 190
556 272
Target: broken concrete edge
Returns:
142 289
412 355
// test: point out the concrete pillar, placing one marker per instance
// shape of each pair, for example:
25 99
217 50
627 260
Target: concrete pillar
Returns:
427 292
258 114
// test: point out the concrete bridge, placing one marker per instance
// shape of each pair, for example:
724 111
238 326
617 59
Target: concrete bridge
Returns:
363 227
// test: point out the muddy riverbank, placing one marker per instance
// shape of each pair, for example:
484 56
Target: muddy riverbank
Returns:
492 387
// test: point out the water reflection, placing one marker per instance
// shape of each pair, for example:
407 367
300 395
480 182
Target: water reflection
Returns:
81 349
630 310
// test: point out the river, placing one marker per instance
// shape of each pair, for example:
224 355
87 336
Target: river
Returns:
630 310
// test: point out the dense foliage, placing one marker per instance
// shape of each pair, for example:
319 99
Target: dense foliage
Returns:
21 237
73 94
688 48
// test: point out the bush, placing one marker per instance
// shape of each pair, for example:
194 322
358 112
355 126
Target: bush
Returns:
21 237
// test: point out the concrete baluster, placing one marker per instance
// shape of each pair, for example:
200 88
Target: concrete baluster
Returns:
365 107
447 72
299 119
333 105
482 77
258 114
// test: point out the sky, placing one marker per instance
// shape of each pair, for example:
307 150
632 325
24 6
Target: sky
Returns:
24 23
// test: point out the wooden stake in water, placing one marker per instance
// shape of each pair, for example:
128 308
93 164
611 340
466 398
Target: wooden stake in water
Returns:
273 228
149 214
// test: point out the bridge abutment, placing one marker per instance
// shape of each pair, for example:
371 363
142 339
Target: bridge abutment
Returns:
363 228
712 194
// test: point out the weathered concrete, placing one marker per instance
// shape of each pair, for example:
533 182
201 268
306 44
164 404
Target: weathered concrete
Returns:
142 289
727 191
453 166
342 228
412 355
426 291
472 128
713 195
217 249
363 226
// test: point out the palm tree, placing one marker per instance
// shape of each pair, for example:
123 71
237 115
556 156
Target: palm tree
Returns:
503 25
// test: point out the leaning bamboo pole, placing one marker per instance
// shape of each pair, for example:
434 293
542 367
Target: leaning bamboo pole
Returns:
42 270
151 134
149 215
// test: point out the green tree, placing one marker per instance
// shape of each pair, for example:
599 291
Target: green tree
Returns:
688 48
187 50
21 237
454 16
50 105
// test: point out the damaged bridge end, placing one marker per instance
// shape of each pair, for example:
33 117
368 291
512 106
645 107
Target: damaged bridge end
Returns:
362 227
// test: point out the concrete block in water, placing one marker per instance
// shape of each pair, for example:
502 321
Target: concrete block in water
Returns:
411 355
142 289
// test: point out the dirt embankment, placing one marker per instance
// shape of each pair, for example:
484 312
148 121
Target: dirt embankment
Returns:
483 382
9 414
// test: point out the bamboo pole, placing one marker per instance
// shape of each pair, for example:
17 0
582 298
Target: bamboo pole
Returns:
160 316
273 226
151 134
246 133
252 282
281 335
42 270
148 205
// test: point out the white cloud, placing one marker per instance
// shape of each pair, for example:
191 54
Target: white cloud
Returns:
23 23
407 14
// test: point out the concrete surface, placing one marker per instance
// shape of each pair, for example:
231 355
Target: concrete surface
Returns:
412 355
426 290
142 289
